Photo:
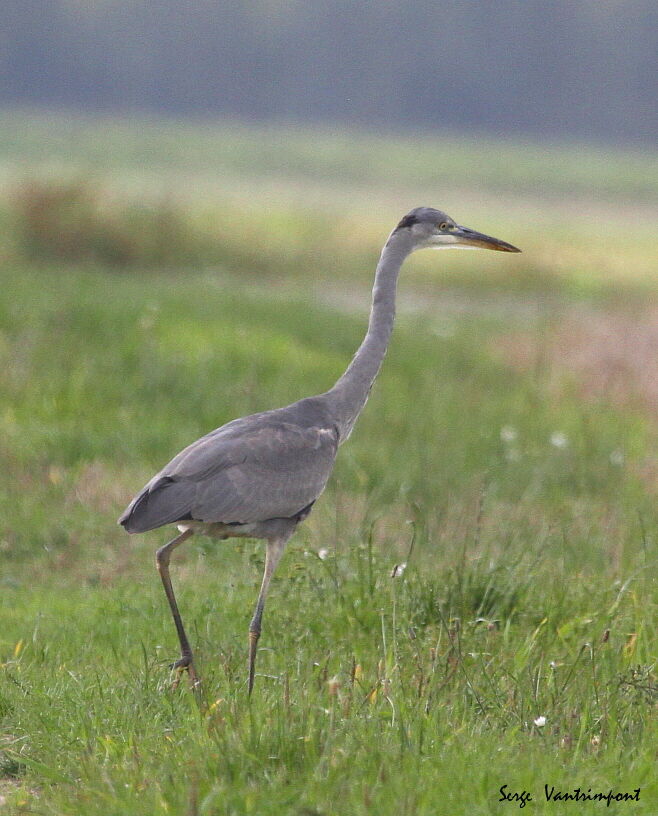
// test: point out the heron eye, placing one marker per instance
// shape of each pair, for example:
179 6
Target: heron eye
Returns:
444 225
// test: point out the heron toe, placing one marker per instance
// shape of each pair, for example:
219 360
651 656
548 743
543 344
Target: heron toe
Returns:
185 663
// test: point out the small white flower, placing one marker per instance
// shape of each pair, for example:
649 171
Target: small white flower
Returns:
559 440
540 722
323 554
508 433
617 457
398 569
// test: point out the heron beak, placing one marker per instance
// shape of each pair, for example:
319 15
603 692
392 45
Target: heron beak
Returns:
468 237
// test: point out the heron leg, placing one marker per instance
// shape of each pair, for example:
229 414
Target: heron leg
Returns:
273 553
162 557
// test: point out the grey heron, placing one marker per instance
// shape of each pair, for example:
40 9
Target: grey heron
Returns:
259 476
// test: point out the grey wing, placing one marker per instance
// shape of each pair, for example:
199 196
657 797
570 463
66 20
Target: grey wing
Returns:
241 473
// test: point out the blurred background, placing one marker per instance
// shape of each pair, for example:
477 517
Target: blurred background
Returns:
568 69
254 112
255 156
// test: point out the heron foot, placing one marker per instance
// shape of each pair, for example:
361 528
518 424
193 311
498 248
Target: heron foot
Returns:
185 664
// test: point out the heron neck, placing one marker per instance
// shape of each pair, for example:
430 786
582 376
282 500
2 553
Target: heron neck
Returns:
350 393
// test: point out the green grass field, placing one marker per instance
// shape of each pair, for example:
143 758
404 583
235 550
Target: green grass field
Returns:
292 203
507 457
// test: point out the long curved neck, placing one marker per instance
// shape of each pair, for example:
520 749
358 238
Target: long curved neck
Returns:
349 394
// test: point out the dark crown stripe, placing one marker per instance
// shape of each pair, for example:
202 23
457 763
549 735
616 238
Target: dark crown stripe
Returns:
408 221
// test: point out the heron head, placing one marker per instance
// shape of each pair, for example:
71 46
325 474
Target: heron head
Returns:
433 229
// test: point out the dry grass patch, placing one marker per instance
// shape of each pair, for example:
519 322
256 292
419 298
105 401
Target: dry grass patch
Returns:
102 489
608 355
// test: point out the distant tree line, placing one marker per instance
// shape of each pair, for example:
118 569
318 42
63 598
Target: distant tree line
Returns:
562 68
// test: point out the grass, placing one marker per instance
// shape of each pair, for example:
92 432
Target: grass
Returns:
292 203
518 489
529 590
313 155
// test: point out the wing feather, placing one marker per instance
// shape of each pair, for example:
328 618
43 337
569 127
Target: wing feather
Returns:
253 469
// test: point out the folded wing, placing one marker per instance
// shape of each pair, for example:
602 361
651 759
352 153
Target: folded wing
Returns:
253 469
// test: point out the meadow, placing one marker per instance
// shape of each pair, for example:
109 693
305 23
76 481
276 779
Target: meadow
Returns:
471 604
